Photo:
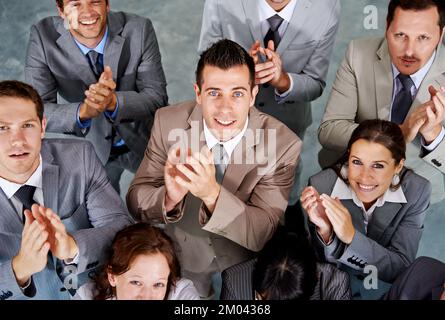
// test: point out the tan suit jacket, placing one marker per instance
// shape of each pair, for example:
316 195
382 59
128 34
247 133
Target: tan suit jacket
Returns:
363 90
251 202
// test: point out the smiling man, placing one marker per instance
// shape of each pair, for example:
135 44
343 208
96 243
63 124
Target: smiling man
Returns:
59 211
399 78
221 206
291 42
100 76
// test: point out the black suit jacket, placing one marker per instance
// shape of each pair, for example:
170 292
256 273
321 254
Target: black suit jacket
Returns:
423 280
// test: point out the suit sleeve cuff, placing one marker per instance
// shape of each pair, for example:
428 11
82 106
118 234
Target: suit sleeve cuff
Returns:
112 116
281 97
82 124
433 145
74 260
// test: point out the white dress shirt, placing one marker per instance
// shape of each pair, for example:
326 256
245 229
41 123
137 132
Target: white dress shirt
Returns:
228 145
265 12
417 78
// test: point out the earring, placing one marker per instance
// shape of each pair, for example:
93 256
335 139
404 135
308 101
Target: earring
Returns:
344 172
396 179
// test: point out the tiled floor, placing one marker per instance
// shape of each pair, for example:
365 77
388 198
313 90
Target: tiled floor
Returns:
177 23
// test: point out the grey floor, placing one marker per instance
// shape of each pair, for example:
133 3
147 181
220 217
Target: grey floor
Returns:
177 24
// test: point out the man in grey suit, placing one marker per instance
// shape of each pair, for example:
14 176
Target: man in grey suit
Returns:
291 42
392 78
59 211
100 76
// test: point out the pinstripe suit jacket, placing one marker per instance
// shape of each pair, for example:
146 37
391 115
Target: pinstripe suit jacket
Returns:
76 187
333 284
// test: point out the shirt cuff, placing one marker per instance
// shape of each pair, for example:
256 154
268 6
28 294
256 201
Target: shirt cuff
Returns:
74 260
435 143
82 124
27 284
280 97
331 238
112 116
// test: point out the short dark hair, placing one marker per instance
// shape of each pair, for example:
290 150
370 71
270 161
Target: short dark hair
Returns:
60 3
18 89
225 54
383 132
132 241
286 268
416 5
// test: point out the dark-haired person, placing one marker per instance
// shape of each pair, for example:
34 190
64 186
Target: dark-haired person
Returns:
369 209
220 211
142 265
291 42
59 211
100 76
389 78
286 269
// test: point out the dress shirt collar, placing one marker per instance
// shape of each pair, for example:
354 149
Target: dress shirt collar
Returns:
100 48
10 188
344 192
419 75
228 145
266 11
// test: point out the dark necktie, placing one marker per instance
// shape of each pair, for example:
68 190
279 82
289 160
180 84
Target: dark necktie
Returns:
274 22
25 194
403 99
94 59
220 160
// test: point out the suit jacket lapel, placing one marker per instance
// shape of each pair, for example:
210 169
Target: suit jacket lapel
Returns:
236 171
50 180
356 215
253 19
381 219
383 81
73 55
114 45
296 24
9 219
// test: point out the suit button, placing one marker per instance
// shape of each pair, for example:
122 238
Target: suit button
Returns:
62 289
290 102
261 104
436 163
265 85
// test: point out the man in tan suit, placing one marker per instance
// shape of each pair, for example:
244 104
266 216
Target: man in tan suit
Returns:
220 206
395 78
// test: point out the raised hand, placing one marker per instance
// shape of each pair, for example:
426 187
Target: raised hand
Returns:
200 180
62 245
311 203
33 254
339 217
434 115
174 192
99 97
